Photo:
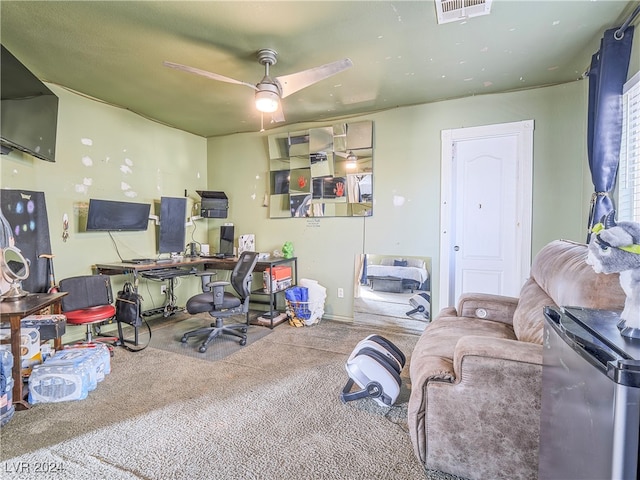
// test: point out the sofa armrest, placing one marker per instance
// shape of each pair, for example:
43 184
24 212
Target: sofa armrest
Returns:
486 306
495 348
486 424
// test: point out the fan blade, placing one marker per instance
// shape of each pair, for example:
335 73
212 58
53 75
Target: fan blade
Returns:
204 73
297 81
342 154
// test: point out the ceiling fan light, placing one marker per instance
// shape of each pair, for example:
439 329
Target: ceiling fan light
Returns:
267 102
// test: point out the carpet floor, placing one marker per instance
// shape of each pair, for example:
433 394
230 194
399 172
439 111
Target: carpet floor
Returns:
270 410
168 335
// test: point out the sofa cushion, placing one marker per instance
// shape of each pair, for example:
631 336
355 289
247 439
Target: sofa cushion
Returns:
528 319
433 354
560 276
561 269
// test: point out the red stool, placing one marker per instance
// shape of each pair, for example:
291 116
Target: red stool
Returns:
89 302
90 316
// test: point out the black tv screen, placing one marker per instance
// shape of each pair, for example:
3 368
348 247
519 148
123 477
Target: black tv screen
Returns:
29 110
173 214
109 215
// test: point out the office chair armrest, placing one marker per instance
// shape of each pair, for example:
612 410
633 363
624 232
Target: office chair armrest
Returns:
217 290
204 273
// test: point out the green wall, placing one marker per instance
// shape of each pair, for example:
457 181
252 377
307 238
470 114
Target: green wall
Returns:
407 184
164 162
109 153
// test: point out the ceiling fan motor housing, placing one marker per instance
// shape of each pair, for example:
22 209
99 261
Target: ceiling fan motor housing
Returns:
267 96
269 91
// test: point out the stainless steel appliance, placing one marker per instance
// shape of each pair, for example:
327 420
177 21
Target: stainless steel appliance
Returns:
590 420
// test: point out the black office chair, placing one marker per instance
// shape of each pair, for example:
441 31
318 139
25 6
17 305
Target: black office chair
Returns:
220 304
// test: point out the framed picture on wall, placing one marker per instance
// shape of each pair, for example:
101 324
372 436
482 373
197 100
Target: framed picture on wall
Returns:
300 204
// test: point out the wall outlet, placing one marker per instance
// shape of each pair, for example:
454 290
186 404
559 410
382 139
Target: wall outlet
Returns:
163 289
341 293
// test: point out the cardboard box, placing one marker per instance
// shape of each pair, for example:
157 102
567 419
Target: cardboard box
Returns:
29 347
276 278
277 285
278 272
266 322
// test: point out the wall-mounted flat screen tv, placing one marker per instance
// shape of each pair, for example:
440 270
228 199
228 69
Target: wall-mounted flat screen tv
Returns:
29 111
110 215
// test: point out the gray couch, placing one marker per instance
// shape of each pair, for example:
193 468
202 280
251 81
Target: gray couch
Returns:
476 371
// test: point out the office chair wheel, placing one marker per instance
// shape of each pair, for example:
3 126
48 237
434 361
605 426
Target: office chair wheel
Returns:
202 348
243 329
243 342
183 340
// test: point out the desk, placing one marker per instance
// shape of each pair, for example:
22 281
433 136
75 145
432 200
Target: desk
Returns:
136 268
14 311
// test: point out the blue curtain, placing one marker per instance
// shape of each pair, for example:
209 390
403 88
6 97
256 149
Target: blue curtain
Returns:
607 75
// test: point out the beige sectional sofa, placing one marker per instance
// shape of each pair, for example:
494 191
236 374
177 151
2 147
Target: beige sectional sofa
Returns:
476 371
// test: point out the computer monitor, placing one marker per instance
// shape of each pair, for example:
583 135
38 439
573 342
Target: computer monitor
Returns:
226 240
173 215
116 216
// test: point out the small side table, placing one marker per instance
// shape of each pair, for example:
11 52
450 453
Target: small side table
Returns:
14 311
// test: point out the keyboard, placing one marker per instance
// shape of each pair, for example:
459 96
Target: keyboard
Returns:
165 273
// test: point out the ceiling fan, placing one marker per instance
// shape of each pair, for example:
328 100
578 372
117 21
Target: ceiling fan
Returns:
351 157
271 90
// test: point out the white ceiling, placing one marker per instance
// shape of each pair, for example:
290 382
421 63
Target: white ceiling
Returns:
113 51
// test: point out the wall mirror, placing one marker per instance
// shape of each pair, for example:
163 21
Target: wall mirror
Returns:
393 290
15 268
322 172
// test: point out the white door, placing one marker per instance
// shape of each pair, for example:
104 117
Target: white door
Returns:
486 210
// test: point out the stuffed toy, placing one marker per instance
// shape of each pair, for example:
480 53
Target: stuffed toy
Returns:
615 248
287 250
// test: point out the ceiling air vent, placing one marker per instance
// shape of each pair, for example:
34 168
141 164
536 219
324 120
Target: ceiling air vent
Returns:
455 10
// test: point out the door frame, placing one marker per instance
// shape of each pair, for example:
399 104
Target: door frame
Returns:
524 132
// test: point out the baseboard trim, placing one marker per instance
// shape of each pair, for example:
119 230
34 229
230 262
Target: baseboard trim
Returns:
338 318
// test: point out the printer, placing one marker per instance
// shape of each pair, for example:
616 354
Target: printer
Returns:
213 204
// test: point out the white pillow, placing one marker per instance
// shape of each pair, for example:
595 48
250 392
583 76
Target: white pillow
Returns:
415 262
